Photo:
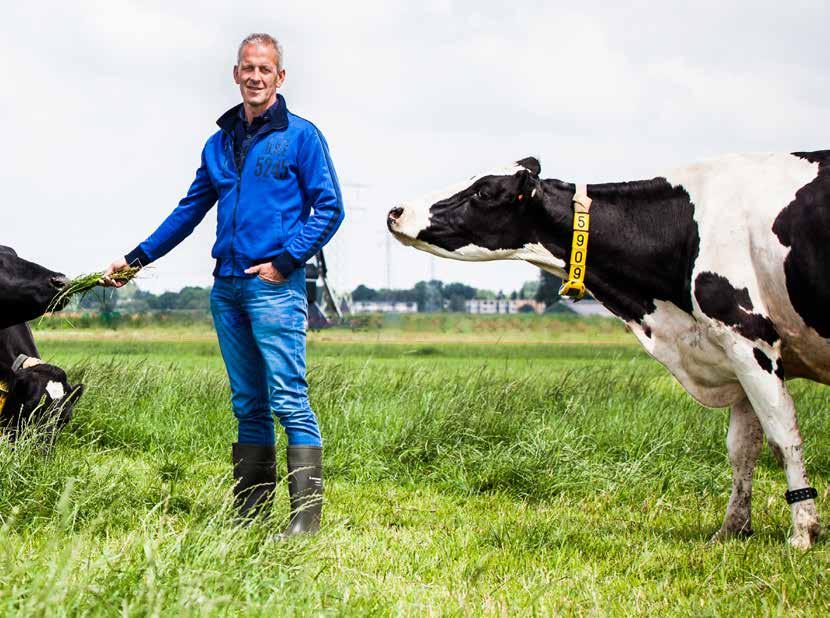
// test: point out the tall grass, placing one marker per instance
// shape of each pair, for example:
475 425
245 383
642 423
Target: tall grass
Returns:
455 485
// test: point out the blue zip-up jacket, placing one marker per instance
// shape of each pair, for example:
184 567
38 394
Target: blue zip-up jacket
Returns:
265 209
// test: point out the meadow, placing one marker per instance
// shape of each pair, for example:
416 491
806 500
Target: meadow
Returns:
480 467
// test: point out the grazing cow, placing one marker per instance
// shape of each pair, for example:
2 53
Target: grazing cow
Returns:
721 270
26 288
31 390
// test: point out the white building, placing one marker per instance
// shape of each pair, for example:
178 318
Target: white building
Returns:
588 308
383 306
493 306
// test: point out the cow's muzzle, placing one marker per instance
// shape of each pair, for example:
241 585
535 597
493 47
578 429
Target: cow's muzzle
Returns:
393 217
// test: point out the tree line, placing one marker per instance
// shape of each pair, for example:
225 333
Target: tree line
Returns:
436 295
429 296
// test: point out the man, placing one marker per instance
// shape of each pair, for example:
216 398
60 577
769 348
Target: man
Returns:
279 203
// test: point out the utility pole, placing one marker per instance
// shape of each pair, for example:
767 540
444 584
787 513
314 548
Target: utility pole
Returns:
388 261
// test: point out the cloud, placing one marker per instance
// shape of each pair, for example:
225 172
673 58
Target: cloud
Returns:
107 105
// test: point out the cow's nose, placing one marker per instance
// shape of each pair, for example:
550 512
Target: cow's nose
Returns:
59 281
394 215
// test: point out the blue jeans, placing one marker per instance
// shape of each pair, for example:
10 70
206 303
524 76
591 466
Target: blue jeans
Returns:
261 328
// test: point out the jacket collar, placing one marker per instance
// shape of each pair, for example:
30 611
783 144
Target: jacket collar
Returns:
277 116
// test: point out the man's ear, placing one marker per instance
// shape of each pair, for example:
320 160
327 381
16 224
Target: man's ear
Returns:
236 73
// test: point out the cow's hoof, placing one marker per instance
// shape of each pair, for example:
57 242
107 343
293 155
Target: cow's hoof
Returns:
728 533
805 537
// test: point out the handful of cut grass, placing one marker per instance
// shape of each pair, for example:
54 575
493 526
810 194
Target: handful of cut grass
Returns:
83 284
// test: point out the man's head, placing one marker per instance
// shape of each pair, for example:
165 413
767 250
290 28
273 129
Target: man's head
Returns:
258 70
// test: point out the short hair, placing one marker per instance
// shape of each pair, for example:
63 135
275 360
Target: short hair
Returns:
264 39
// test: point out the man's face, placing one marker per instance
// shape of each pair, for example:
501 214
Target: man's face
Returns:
257 75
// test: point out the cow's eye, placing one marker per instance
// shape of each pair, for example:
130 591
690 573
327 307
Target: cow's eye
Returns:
480 195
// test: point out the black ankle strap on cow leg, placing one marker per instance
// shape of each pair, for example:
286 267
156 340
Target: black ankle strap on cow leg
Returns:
799 495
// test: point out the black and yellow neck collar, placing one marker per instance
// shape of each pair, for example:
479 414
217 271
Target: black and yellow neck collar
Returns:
574 287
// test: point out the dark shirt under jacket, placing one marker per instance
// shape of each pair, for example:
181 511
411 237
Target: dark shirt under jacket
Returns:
244 134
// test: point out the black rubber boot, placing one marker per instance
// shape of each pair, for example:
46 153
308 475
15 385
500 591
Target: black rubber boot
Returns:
255 472
305 489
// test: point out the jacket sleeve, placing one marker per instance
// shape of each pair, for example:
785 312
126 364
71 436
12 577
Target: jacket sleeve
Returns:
180 223
318 182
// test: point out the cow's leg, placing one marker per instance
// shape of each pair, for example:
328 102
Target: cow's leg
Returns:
744 441
775 410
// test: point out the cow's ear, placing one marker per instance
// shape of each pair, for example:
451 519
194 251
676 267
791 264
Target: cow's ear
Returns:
532 165
75 393
530 188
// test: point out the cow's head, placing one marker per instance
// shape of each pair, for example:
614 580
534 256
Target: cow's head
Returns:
26 288
495 216
36 392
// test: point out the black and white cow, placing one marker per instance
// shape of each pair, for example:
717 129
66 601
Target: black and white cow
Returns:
31 391
721 270
26 289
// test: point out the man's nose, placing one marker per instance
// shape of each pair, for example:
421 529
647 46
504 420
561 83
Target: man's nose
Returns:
393 216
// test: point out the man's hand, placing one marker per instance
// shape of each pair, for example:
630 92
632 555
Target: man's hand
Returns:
266 271
119 264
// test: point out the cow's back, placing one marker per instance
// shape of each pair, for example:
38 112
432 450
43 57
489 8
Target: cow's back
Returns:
803 229
803 226
764 222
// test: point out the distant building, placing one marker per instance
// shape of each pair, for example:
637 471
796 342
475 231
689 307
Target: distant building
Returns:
588 308
494 306
383 306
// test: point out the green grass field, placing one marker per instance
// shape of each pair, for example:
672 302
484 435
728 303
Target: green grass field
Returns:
464 477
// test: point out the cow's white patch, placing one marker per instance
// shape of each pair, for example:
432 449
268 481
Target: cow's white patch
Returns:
690 350
737 199
55 390
415 217
538 255
535 253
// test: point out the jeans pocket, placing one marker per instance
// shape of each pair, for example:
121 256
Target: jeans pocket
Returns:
277 284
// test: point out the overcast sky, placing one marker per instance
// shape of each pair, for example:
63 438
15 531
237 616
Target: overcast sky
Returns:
107 105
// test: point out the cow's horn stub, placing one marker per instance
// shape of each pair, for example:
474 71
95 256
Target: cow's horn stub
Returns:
24 362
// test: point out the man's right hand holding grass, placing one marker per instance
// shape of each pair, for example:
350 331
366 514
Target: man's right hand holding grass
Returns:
118 265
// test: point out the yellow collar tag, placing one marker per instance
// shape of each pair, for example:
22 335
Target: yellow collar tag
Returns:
4 394
574 287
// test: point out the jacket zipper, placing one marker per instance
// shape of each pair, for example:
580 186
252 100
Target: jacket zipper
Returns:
236 204
239 187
